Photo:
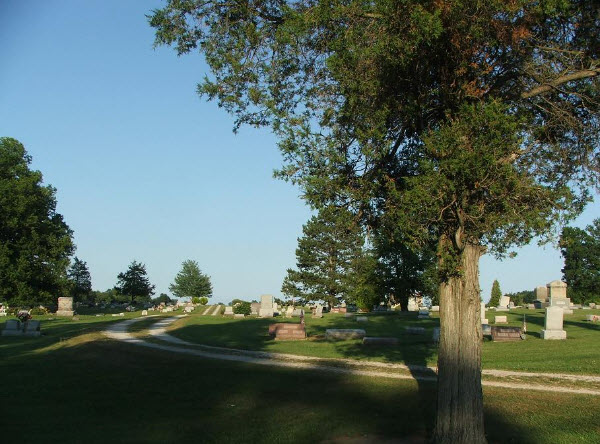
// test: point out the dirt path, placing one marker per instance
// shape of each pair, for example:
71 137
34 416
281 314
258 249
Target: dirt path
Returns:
517 380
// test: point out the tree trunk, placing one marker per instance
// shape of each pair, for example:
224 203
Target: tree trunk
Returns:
460 398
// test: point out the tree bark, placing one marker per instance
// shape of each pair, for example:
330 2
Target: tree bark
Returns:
460 398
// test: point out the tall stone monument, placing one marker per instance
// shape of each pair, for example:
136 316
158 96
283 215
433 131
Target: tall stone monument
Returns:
553 324
484 321
541 294
557 292
65 307
266 306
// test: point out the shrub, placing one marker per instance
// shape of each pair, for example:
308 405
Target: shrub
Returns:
203 300
39 311
242 308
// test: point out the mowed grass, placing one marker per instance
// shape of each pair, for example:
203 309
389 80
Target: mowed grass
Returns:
75 385
578 354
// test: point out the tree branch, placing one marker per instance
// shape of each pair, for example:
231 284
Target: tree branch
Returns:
559 81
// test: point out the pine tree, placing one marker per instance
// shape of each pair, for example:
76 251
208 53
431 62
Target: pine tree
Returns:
190 282
134 283
495 295
80 280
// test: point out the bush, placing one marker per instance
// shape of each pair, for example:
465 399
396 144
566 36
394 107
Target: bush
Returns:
203 300
242 308
39 311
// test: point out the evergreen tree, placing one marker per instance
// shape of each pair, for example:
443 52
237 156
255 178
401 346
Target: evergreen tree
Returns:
35 242
190 282
331 241
80 280
581 252
471 122
495 295
134 283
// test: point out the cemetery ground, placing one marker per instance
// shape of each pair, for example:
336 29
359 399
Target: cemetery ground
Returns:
74 384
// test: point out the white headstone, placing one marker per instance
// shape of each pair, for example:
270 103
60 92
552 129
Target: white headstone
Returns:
557 289
501 320
553 324
228 311
144 312
504 301
541 294
318 311
266 301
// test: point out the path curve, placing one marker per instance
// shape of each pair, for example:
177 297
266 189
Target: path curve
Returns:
119 332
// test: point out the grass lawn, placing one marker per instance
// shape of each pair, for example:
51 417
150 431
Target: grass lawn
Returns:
578 354
73 385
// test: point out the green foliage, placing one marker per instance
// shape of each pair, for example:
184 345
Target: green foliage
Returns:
581 252
191 282
495 295
325 257
35 242
38 311
522 297
242 308
134 283
202 301
162 298
80 281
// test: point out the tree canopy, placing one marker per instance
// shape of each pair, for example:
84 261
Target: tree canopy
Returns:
581 252
472 124
35 242
134 283
190 282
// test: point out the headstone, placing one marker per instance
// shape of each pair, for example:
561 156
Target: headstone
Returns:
423 313
541 294
592 305
144 312
435 308
239 316
511 304
228 311
379 341
530 306
287 331
338 333
415 330
362 319
436 335
254 307
348 315
318 311
289 310
12 327
65 306
266 306
188 309
500 320
592 318
413 304
504 334
32 328
504 301
483 318
297 312
553 324
557 293
486 329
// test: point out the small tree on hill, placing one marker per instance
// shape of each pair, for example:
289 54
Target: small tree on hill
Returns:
190 282
495 295
134 283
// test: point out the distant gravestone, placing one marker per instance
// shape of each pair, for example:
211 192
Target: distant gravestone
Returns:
541 294
553 324
483 318
65 306
228 311
318 311
592 318
379 341
504 334
592 305
338 333
239 316
289 311
32 328
423 313
254 307
188 309
415 330
362 319
297 312
435 308
500 320
12 327
144 312
287 331
504 301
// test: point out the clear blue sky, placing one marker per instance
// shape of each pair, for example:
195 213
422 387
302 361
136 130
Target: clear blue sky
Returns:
145 169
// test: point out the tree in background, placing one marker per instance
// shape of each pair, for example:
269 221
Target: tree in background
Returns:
35 242
162 298
134 283
190 282
330 243
522 297
80 280
495 295
473 123
581 251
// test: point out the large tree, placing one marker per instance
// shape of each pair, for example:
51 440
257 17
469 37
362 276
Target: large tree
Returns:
190 282
471 122
495 294
134 283
581 251
331 242
35 242
80 280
